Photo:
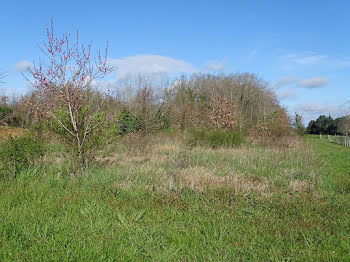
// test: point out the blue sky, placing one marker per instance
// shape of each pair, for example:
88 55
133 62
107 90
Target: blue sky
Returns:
302 48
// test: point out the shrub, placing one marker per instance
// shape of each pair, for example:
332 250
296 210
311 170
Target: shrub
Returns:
127 123
19 154
216 138
162 121
4 112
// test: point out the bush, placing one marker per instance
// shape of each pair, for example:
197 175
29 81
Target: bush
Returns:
19 154
127 123
10 117
161 121
4 112
216 138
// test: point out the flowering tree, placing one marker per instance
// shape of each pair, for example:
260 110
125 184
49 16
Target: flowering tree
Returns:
63 80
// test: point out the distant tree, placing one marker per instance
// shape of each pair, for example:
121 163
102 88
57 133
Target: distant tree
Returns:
337 123
298 124
327 125
322 125
312 127
331 128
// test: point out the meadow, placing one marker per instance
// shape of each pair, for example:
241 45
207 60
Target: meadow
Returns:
158 198
112 155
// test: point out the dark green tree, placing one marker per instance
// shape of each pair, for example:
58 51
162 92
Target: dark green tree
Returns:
127 123
326 125
312 127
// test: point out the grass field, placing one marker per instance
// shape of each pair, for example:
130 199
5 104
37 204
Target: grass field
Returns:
156 199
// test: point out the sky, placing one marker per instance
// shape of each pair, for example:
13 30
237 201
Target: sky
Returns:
301 48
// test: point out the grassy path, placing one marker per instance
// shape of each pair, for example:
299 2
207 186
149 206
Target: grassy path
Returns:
336 161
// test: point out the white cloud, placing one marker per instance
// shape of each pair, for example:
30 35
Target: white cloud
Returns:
150 64
215 66
307 60
313 110
313 82
310 83
285 81
286 94
317 108
23 66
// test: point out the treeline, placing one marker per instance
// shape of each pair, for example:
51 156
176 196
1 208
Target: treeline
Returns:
140 103
327 125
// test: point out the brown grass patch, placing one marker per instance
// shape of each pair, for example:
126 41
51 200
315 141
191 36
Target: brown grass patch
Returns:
6 132
108 160
300 186
201 179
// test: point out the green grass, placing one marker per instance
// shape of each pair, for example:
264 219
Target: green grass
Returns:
336 159
160 201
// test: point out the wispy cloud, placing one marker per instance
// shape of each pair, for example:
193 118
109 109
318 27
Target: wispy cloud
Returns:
151 68
287 94
285 81
23 66
215 66
314 82
307 60
150 64
309 83
253 53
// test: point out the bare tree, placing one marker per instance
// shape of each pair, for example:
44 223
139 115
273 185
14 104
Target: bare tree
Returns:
189 98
